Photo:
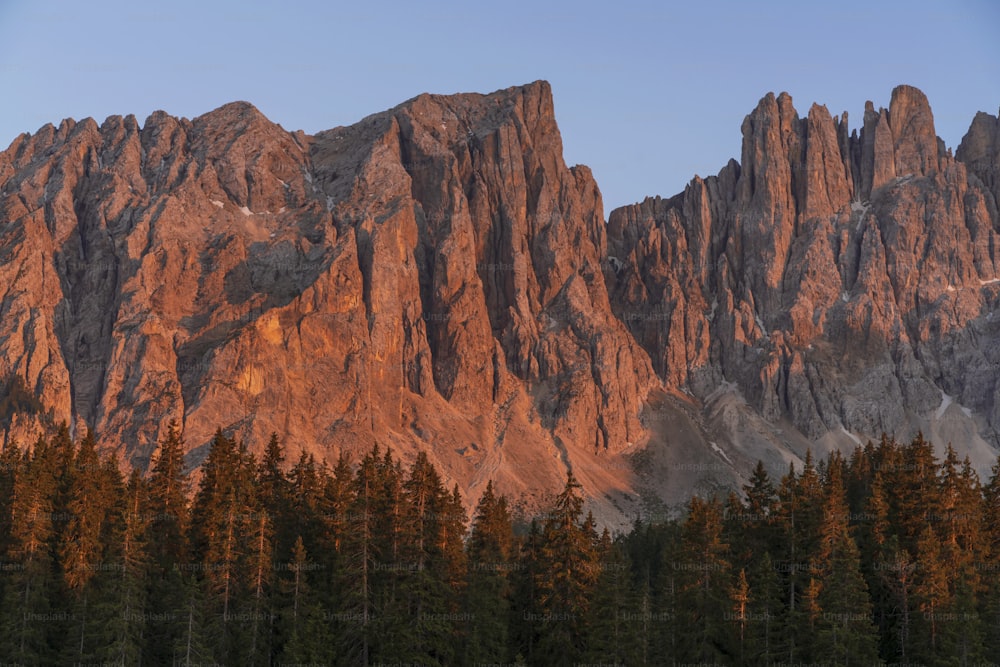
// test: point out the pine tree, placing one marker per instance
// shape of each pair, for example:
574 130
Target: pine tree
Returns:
258 554
127 591
10 464
916 496
306 489
424 608
275 493
845 629
362 555
739 597
167 514
305 628
219 529
88 558
670 625
193 644
31 606
488 588
765 612
705 578
567 576
931 597
990 564
525 619
615 615
757 518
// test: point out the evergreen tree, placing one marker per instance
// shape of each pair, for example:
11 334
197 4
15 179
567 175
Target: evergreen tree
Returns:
989 564
932 600
739 615
167 519
567 576
10 464
362 555
305 628
127 591
488 589
845 628
526 613
916 498
193 645
757 532
86 553
615 615
425 608
705 578
764 619
669 628
32 610
223 506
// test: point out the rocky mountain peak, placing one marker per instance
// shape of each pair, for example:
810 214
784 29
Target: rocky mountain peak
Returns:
435 278
915 143
824 266
980 153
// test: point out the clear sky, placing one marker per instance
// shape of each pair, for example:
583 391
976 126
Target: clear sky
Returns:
647 94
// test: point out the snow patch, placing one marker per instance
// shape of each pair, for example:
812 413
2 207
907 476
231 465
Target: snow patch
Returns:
760 325
282 209
329 203
946 400
845 297
856 439
718 450
950 288
218 203
245 211
989 282
307 176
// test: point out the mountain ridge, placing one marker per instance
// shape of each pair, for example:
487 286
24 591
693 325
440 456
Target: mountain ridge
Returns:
436 278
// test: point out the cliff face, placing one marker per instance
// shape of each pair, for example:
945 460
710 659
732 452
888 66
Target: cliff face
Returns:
846 285
429 277
436 278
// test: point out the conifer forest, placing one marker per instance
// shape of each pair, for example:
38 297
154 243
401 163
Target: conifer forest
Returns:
888 556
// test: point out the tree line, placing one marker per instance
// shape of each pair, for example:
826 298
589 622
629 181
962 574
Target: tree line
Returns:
886 556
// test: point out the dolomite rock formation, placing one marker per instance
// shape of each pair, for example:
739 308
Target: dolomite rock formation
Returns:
844 284
434 277
429 278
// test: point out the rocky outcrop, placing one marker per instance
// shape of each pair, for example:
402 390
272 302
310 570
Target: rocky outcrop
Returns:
435 278
980 153
844 284
429 277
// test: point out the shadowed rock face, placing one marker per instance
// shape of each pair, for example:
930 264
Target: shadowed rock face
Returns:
840 282
434 277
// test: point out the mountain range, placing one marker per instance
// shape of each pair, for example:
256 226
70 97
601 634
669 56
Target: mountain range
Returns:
435 278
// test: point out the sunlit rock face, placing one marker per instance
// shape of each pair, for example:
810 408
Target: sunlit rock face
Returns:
429 278
435 278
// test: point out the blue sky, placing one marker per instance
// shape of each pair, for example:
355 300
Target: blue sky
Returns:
646 94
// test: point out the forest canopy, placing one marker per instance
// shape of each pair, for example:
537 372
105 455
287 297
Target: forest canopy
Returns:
888 555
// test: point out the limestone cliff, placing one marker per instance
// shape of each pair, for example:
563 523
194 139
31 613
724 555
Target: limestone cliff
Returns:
434 277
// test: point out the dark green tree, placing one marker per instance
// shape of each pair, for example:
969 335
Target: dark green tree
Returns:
567 575
705 577
488 589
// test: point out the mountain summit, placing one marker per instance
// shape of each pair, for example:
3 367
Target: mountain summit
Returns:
435 278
